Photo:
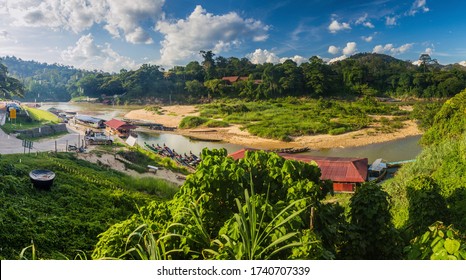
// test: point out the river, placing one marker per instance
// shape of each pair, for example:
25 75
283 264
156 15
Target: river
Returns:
396 150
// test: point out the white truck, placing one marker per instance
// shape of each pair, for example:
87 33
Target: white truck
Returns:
98 138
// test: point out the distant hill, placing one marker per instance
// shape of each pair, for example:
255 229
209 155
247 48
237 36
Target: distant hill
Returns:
43 82
361 75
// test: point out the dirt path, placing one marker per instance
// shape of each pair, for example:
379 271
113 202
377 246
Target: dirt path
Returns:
112 162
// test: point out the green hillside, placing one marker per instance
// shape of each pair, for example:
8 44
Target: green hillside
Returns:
85 200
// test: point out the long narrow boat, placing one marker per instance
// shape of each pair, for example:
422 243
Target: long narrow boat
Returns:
190 162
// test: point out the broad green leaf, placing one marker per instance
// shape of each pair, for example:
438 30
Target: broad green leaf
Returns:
425 237
440 255
451 245
437 244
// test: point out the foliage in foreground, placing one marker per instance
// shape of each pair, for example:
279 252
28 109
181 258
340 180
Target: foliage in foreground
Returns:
84 201
256 208
432 188
259 207
438 243
449 122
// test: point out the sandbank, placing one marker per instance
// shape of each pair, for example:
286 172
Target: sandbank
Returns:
172 116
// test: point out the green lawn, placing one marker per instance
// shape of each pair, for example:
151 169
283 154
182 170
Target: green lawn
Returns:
37 118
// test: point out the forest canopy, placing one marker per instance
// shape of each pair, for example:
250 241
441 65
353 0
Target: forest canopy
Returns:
364 74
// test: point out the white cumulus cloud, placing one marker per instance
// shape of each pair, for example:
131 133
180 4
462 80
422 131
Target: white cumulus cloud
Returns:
86 54
367 39
390 48
350 48
126 17
389 21
335 26
297 58
363 21
119 17
429 51
418 5
183 39
337 59
260 56
368 24
333 50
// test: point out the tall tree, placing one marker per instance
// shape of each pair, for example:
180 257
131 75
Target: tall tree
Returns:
209 64
9 86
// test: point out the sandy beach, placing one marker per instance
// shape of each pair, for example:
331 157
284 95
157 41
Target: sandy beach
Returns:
172 116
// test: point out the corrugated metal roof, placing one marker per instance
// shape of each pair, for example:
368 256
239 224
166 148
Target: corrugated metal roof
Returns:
337 169
90 119
116 124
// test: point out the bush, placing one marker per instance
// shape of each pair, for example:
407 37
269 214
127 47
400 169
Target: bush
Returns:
336 131
192 122
216 123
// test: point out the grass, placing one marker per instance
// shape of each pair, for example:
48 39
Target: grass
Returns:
286 118
83 202
154 109
193 122
141 158
42 116
36 118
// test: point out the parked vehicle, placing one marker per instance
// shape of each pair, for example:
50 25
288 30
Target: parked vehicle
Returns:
94 138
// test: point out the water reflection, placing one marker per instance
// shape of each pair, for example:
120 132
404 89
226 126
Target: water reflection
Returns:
396 150
401 149
94 109
183 144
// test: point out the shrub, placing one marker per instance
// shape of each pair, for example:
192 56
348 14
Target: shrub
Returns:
216 123
336 131
192 122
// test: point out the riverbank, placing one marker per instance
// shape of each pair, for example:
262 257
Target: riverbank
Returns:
112 162
172 116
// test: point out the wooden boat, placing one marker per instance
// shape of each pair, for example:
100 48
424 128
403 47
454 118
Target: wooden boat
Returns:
377 170
188 161
399 163
291 150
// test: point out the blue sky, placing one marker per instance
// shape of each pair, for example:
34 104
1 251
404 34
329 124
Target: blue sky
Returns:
111 34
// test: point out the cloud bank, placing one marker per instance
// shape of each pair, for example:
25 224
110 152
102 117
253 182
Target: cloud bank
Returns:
183 39
86 54
120 18
389 48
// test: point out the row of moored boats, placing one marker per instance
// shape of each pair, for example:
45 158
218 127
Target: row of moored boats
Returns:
191 160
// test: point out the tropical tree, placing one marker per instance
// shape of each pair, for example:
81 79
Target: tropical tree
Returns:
9 86
209 65
371 234
259 207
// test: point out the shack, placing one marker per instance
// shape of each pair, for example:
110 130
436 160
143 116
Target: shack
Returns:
90 121
120 128
345 173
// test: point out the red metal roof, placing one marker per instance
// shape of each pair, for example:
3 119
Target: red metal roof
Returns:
231 79
116 124
337 169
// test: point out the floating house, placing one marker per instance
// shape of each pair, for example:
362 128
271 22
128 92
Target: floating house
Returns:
119 128
345 173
